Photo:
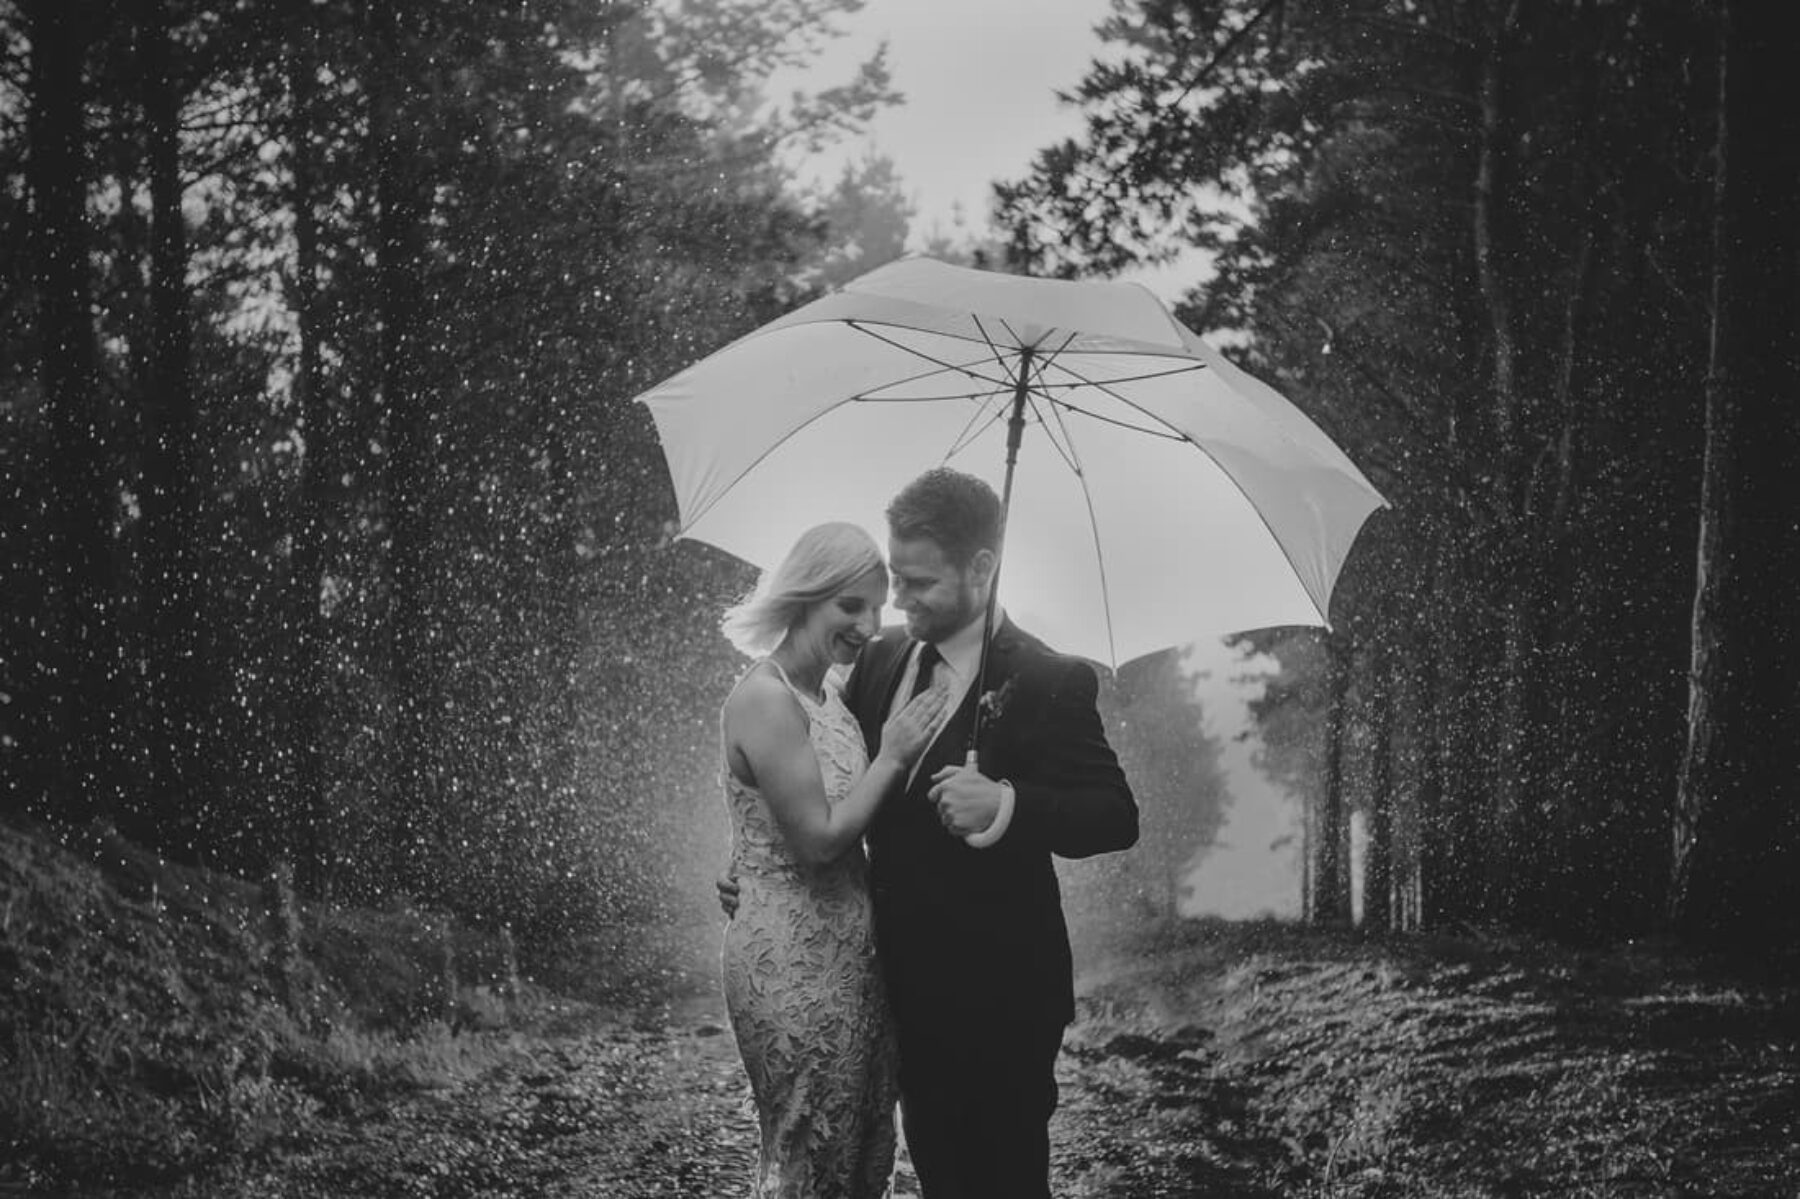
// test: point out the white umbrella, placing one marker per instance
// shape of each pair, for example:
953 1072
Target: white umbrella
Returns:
1161 494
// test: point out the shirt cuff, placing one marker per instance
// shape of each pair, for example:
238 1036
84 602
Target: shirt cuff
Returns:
1002 818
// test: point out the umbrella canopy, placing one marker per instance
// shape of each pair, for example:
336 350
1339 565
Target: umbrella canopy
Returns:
1161 494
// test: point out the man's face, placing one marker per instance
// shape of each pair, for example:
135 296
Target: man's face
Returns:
937 598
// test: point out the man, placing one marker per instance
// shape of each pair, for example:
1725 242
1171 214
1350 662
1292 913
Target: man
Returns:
968 914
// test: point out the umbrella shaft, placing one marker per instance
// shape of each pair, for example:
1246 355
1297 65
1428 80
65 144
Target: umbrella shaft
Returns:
1015 433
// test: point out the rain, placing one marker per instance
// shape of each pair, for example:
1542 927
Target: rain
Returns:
360 691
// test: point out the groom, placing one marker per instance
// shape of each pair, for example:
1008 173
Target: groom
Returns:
968 915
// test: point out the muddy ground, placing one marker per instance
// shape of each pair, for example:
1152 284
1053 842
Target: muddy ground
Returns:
1210 1060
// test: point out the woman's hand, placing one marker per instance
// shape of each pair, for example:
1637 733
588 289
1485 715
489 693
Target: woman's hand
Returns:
908 731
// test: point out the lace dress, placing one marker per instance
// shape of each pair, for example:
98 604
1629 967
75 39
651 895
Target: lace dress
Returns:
805 994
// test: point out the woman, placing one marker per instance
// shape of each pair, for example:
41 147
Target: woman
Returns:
801 982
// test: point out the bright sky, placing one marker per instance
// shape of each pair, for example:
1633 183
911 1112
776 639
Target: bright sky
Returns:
979 78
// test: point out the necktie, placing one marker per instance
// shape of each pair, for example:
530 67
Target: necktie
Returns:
928 659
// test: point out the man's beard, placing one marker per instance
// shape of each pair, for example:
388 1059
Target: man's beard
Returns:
941 623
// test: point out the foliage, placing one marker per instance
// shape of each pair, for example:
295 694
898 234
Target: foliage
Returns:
144 1039
1468 240
442 646
869 212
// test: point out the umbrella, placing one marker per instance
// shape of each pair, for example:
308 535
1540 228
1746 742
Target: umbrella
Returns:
1155 493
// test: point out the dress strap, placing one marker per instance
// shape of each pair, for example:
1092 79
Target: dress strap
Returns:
806 700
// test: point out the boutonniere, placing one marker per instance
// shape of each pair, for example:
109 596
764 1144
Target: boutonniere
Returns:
993 703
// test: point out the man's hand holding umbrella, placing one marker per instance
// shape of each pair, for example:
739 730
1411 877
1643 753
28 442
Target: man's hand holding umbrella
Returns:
967 800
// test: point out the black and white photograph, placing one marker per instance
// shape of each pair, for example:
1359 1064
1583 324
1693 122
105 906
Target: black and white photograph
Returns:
899 599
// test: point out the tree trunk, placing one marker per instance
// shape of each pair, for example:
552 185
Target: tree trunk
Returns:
309 832
1737 828
1416 792
1379 858
1461 825
82 730
400 263
1533 389
171 484
1490 231
1517 801
1329 900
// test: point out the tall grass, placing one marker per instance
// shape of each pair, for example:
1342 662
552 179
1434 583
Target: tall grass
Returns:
155 1028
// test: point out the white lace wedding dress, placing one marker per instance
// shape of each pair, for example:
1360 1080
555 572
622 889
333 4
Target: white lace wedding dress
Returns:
805 993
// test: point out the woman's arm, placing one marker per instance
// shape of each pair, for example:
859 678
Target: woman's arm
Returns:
765 725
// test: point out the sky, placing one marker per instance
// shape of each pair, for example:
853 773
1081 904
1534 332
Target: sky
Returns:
979 78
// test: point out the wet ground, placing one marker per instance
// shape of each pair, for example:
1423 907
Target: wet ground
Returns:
628 1107
1216 1062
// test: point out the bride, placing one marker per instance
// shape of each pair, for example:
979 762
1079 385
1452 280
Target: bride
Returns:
801 982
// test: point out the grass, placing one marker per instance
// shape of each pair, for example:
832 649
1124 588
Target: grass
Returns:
1435 1066
174 1033
157 1026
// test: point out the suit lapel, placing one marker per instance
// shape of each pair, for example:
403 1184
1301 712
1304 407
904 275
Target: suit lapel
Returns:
1002 664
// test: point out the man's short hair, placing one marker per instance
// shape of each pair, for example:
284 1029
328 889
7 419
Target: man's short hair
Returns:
959 512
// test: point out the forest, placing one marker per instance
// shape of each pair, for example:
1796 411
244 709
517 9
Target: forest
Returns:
331 541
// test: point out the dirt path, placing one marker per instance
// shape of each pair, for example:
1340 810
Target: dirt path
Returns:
653 1108
1211 1064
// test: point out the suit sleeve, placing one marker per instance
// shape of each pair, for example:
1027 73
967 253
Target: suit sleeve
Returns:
1072 798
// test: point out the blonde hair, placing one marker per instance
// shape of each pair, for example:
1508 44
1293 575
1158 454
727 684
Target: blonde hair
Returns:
824 561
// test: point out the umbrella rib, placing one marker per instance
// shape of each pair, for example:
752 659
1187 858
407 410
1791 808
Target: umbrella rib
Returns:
953 368
1123 424
1286 555
1005 361
1073 457
1041 360
1035 390
970 433
1168 373
1107 388
1049 356
856 398
1082 381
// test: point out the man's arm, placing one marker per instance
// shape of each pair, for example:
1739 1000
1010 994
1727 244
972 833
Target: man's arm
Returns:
1074 800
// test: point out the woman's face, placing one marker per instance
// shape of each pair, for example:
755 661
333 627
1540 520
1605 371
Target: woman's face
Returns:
843 622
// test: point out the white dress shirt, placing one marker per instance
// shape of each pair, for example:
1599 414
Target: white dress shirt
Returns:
956 671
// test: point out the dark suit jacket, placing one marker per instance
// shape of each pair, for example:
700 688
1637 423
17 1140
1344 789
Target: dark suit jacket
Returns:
978 935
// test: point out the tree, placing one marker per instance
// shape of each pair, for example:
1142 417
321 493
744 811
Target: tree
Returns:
306 838
1328 897
1158 728
76 745
398 348
172 477
1458 237
868 215
1737 831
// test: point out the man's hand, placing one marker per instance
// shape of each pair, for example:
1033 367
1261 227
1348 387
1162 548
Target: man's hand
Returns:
728 895
967 800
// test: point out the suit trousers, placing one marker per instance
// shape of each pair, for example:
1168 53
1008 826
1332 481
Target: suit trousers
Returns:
976 1108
